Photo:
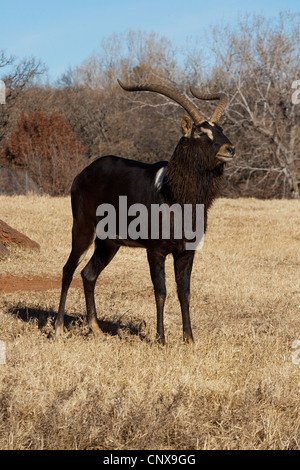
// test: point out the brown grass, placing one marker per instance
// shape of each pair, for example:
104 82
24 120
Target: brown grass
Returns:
235 388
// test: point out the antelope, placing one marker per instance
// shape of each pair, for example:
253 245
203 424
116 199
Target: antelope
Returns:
193 175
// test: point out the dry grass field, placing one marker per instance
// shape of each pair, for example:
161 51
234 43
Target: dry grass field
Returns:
236 387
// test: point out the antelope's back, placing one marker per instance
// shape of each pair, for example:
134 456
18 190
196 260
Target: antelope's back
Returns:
108 177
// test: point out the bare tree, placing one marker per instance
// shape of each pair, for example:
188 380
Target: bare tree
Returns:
17 76
256 63
106 128
132 53
261 61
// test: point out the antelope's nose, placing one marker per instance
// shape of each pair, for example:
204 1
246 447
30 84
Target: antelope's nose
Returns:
231 150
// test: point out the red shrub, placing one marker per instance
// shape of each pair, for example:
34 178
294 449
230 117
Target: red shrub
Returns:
48 148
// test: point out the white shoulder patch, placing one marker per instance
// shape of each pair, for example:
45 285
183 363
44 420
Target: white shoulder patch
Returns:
159 177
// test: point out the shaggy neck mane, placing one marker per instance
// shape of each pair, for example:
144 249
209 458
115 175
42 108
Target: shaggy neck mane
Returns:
190 177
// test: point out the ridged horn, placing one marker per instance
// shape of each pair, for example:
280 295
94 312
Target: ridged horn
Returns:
211 96
169 92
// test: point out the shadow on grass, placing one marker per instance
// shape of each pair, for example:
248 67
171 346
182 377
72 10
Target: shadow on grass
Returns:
46 318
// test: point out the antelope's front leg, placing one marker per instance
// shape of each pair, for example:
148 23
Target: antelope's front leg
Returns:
183 264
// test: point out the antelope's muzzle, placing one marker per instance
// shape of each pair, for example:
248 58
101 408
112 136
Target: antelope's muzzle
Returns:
226 153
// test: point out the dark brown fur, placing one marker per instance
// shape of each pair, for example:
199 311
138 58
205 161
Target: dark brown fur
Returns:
193 176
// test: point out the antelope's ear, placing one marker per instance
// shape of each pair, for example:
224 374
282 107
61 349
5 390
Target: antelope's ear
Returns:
186 125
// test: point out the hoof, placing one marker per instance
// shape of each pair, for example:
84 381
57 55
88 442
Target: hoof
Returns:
97 332
188 339
59 331
160 340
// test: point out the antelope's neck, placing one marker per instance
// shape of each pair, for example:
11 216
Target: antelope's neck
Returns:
189 180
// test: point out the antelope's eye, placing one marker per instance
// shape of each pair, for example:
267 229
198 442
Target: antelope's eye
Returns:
207 132
200 134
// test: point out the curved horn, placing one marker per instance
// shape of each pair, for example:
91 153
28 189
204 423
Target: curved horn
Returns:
170 93
210 96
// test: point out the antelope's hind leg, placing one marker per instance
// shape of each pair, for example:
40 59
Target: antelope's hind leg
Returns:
81 241
157 270
103 254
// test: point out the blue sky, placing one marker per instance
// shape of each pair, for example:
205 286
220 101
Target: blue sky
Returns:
63 33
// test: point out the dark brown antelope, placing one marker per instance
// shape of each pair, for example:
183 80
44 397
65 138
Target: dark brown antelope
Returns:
193 176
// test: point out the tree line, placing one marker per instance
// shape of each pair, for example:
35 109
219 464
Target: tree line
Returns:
54 130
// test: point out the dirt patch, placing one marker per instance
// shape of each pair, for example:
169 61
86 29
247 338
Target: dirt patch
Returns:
14 283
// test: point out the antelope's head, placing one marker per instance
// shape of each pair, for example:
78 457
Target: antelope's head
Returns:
206 132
